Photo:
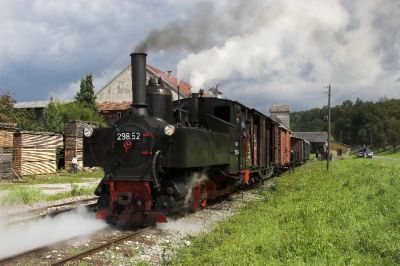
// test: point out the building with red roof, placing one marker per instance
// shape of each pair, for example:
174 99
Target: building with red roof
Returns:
114 99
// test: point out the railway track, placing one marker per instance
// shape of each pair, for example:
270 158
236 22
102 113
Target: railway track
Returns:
99 247
51 210
11 259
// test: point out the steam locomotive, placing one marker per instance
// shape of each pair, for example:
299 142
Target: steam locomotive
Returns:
166 156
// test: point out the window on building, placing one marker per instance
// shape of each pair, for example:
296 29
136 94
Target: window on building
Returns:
119 115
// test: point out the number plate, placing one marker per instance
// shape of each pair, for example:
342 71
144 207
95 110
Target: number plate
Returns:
121 136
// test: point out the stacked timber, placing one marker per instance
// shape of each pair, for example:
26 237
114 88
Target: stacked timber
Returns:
73 133
35 152
6 149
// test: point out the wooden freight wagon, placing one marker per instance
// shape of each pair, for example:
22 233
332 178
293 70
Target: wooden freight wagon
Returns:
74 141
284 144
6 149
35 152
298 147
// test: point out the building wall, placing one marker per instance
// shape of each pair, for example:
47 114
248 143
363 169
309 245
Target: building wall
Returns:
284 117
339 151
120 88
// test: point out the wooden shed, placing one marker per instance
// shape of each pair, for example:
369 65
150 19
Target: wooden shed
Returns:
73 133
35 152
6 149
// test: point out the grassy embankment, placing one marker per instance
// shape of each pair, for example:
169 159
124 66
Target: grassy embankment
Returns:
26 193
389 153
350 215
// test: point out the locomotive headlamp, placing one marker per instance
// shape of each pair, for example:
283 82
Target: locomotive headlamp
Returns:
88 131
169 130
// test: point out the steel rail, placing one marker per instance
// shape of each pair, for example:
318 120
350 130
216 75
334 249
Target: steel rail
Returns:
39 249
97 248
25 253
47 208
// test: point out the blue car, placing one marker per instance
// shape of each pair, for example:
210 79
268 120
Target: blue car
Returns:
365 152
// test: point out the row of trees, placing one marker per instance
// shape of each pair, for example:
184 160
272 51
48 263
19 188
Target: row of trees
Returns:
375 124
56 114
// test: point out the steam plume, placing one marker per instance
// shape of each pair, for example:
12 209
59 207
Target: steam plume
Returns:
292 46
48 231
207 28
195 179
298 43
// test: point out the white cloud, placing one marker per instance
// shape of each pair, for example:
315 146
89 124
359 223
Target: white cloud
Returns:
68 92
297 46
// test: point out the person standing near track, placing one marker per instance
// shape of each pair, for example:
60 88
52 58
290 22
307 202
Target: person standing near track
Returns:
74 164
291 160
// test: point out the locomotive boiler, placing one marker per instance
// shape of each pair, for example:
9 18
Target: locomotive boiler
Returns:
166 156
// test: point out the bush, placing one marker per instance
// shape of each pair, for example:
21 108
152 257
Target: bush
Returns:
21 195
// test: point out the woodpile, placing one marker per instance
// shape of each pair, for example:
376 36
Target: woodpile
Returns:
35 152
74 141
6 149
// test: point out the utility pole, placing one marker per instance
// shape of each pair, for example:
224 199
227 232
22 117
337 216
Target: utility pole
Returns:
329 128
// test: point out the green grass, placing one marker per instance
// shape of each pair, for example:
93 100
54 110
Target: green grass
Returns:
389 153
63 177
21 195
75 192
29 195
350 215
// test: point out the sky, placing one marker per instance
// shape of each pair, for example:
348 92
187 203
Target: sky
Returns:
260 52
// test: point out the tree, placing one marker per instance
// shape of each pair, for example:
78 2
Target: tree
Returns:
53 119
57 114
86 96
361 122
6 109
393 133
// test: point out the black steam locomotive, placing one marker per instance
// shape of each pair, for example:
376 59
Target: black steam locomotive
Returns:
165 156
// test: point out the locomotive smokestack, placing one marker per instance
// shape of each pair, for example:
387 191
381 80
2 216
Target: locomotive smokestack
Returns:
138 68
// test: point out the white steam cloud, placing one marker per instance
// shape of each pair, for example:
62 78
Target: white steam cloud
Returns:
48 231
293 46
195 180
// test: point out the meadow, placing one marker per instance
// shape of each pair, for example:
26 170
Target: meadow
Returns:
349 215
24 192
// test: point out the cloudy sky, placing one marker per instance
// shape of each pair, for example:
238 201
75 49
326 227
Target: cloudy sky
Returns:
261 52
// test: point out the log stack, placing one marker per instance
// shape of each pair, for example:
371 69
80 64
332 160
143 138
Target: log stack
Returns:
35 152
6 149
74 141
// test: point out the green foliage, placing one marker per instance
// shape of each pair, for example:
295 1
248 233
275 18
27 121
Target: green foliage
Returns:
53 118
86 96
355 123
63 177
349 216
27 120
6 109
21 195
393 133
76 111
57 114
74 192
